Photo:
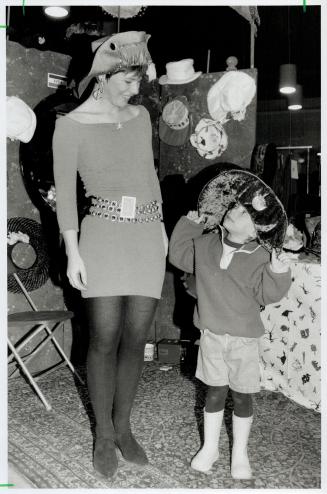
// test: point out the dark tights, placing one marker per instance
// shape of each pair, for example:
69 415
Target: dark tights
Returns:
216 397
119 328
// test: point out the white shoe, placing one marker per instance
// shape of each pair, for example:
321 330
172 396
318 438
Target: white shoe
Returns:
209 453
240 468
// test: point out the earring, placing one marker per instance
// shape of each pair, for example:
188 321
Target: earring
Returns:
97 93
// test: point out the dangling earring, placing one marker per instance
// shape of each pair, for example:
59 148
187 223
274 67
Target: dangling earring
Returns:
97 93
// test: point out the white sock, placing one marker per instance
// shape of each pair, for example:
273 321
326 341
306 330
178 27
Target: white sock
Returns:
209 453
240 468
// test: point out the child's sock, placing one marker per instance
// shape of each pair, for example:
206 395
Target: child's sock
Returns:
240 468
209 453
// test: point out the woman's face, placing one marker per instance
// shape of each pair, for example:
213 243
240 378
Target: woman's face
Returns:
120 87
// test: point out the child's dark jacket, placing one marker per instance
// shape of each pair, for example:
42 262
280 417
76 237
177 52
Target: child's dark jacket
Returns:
228 300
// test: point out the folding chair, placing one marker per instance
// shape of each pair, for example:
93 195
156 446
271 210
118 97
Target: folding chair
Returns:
40 321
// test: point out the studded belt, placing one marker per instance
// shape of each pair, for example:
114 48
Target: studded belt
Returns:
110 210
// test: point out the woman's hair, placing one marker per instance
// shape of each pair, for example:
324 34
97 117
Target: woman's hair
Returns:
139 70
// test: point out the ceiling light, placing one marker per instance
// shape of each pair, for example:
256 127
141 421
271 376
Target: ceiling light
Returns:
295 99
287 78
56 11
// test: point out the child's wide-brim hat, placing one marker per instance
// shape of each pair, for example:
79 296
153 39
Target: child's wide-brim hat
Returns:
232 93
180 72
116 52
175 122
240 186
21 120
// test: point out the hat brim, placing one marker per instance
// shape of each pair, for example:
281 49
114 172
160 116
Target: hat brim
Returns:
233 186
174 137
164 79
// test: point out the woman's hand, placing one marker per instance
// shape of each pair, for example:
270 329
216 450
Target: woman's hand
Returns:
165 238
76 272
193 216
280 263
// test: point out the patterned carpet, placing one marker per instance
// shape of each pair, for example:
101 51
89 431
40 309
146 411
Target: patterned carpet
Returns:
54 449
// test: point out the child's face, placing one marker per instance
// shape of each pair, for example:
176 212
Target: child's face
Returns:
238 223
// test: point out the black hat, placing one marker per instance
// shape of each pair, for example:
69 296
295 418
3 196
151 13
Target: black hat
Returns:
240 186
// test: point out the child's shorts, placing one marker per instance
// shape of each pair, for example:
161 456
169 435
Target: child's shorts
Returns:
229 360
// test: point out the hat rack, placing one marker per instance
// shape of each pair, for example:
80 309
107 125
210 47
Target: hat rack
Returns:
308 148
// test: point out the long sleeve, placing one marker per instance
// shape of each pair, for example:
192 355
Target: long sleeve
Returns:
270 287
65 155
181 246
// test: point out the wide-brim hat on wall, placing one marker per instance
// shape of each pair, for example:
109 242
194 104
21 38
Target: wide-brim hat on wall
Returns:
231 94
180 72
240 186
116 52
209 138
174 123
21 120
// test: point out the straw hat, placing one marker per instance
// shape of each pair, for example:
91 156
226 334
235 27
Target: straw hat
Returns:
21 120
232 93
174 123
209 138
116 52
181 72
266 210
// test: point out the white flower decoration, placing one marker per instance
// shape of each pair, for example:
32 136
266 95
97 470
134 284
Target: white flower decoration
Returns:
14 237
151 72
259 202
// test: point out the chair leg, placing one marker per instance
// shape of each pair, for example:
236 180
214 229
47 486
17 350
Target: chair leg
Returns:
62 353
29 376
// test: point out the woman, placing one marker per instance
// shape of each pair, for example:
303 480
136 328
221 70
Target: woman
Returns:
118 261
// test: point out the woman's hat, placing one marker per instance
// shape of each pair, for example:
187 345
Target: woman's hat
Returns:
174 123
21 120
180 72
260 201
232 93
116 52
209 138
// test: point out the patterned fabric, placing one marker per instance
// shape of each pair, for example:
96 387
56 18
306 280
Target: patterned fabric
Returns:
290 349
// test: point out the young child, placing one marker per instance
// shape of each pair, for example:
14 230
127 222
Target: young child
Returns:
238 267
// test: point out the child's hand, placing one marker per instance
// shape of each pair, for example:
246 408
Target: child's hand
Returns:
280 263
193 216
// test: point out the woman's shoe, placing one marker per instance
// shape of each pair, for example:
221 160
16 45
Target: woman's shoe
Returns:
104 457
130 448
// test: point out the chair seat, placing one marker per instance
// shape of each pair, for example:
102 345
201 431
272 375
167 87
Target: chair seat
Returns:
39 317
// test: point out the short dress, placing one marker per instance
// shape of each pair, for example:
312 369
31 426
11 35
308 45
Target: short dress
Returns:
121 258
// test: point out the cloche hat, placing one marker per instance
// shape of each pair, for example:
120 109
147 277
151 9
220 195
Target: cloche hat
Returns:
21 120
232 93
118 51
174 123
180 72
262 204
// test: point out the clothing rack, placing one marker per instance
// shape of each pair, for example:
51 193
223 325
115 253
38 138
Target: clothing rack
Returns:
308 148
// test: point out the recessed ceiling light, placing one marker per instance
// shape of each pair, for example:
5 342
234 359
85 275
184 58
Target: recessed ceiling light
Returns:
56 11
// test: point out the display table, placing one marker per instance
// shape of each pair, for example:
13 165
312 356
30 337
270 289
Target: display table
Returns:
290 348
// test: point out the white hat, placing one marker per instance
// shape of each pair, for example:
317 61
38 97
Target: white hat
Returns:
209 139
232 93
21 119
180 72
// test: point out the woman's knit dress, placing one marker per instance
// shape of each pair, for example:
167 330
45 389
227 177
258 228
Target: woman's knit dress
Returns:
120 258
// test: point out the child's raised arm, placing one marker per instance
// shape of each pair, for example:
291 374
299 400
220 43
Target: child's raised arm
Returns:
181 246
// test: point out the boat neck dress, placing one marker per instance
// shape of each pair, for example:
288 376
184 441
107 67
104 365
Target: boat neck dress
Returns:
113 161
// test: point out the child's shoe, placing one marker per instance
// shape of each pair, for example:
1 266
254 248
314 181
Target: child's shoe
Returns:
240 468
209 453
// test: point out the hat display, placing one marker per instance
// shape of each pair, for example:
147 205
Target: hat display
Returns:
21 120
262 204
180 72
174 123
232 93
116 52
209 138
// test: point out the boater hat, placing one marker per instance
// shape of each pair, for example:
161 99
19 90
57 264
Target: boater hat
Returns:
174 123
181 72
116 52
262 204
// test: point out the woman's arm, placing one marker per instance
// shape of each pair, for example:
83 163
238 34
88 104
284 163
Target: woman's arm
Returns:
76 271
